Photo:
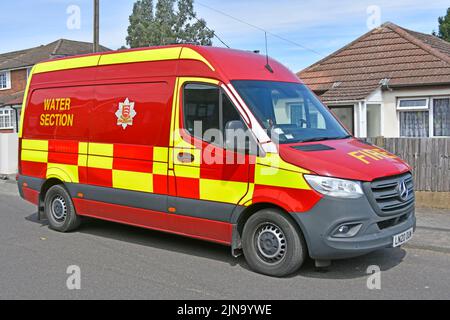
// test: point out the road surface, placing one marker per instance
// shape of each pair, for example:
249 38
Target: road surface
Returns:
122 262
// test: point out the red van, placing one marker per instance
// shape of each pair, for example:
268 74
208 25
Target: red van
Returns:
153 138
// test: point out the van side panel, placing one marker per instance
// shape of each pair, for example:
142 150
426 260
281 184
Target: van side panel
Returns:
55 131
138 217
209 230
59 112
114 170
151 122
72 77
138 72
131 156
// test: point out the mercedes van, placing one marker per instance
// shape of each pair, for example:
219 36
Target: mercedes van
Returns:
147 137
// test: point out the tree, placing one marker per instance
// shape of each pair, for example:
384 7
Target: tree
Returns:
141 24
165 25
444 27
165 19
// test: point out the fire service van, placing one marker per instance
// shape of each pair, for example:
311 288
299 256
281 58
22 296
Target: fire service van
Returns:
216 144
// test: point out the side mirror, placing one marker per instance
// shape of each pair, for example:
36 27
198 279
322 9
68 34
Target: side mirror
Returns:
238 138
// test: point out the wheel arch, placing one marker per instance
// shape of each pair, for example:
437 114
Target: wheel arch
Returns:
71 220
64 174
45 187
241 218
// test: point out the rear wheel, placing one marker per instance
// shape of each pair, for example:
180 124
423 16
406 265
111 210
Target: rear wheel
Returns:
272 244
59 209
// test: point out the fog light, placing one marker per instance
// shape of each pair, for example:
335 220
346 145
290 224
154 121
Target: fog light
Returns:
347 230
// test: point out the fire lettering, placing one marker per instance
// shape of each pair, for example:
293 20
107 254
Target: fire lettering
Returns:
369 155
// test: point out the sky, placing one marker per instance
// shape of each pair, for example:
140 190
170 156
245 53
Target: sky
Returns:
313 28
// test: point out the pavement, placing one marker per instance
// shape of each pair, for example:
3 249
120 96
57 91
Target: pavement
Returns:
433 230
123 262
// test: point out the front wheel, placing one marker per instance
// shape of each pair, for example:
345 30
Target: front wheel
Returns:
60 211
272 244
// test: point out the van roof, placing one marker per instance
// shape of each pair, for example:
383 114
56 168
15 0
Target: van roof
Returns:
227 63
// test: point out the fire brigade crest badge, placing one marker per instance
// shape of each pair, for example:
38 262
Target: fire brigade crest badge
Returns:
125 114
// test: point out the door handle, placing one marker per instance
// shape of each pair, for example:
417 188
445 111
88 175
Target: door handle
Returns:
185 157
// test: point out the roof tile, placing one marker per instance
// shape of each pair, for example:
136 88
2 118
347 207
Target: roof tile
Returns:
56 49
29 57
403 56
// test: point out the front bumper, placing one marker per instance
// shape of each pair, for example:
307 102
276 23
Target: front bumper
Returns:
376 232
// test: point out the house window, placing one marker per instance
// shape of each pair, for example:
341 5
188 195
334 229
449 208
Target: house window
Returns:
414 124
302 115
346 115
413 104
441 117
5 80
6 119
424 117
414 117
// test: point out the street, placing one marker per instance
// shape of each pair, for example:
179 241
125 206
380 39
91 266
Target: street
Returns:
122 262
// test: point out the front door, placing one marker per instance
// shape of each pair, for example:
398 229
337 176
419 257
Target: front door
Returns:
209 180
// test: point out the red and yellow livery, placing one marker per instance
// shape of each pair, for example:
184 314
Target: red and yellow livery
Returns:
111 136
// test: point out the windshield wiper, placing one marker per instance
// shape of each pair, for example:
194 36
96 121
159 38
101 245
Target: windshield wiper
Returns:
325 138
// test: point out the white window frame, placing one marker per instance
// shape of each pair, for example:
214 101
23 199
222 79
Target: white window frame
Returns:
432 115
418 108
8 80
430 109
7 114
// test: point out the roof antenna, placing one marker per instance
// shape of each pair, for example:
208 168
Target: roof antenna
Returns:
268 67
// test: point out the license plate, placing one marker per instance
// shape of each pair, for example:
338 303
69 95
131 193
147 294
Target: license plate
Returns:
402 238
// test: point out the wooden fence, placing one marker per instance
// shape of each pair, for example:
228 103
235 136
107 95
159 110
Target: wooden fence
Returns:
429 157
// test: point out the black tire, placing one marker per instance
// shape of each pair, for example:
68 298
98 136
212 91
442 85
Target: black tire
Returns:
262 232
59 209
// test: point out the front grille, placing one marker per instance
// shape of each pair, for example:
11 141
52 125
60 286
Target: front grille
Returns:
385 194
392 222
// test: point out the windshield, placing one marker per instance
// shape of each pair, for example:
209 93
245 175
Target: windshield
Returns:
289 111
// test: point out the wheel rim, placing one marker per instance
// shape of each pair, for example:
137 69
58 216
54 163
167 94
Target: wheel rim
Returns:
59 208
270 242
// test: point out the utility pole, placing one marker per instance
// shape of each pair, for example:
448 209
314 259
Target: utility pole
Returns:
96 47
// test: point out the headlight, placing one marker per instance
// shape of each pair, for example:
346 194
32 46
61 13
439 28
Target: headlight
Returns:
333 187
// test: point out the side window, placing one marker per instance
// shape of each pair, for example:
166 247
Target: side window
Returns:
229 111
201 106
207 108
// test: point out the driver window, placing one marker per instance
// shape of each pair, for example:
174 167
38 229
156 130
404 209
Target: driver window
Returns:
208 106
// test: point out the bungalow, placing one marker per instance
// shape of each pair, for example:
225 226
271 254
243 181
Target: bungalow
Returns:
390 82
14 71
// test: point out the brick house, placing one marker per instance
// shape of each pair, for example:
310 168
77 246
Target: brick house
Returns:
390 82
14 70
